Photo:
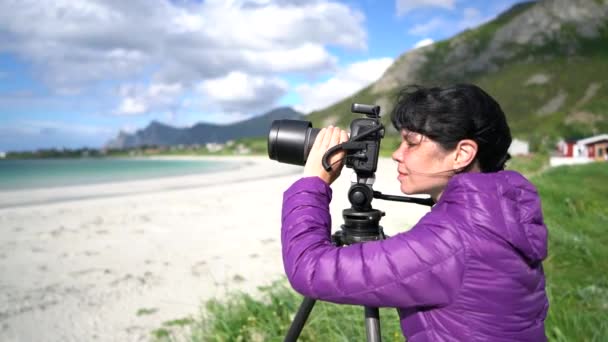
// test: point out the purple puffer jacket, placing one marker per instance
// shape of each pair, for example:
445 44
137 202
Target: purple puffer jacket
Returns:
469 270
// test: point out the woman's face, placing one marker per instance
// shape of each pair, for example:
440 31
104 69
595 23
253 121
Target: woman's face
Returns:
424 166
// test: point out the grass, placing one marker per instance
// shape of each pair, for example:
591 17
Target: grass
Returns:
242 317
574 205
146 311
529 165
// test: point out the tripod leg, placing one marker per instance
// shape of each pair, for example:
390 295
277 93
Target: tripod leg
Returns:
298 322
372 324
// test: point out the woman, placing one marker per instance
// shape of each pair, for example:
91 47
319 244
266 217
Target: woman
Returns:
470 269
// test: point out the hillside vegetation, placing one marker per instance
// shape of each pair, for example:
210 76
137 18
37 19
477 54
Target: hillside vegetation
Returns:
551 84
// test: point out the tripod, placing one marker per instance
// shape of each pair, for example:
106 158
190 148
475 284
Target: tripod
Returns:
361 224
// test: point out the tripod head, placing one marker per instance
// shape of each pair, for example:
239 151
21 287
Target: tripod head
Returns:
361 221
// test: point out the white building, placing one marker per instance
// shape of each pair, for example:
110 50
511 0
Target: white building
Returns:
519 147
214 147
581 151
242 149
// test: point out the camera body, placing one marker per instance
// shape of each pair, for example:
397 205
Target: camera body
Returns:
363 147
290 141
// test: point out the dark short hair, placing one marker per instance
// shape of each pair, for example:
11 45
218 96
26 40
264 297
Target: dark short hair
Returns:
449 114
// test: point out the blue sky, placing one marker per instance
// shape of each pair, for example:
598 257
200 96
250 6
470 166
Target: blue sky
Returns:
75 73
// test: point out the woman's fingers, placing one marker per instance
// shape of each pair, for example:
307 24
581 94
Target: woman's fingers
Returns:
337 158
335 136
319 139
343 137
327 137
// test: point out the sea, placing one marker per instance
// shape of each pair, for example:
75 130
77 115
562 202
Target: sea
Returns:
16 174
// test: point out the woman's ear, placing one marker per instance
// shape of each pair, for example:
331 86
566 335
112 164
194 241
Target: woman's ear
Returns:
465 154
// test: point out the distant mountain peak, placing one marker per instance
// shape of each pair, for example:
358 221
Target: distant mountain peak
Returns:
155 124
161 134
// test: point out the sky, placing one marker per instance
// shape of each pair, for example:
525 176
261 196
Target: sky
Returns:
75 73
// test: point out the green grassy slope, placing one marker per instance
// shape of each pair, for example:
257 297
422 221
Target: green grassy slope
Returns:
574 206
570 79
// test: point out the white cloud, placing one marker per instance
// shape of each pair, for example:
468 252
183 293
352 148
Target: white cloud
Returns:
301 58
138 99
78 47
346 82
405 6
424 42
243 93
428 27
78 42
270 25
132 105
471 17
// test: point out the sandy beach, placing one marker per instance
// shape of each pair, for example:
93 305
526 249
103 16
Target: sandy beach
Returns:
111 262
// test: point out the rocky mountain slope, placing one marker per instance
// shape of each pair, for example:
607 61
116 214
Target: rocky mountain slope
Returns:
546 62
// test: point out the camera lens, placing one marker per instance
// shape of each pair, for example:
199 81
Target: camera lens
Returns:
290 141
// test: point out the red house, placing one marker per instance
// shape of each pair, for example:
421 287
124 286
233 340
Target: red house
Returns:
595 147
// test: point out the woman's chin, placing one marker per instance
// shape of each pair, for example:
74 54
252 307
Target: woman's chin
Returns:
407 190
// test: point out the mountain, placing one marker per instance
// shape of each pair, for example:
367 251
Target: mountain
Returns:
546 62
160 134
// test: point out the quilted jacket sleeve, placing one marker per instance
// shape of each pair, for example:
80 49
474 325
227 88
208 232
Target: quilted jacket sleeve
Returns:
421 267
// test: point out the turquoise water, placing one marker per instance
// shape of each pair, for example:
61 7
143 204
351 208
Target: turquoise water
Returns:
44 173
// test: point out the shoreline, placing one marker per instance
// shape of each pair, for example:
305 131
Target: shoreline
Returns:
115 266
10 198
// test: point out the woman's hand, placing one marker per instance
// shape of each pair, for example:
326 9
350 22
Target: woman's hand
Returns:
327 138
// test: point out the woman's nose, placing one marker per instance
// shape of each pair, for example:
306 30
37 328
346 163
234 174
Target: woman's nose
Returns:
397 154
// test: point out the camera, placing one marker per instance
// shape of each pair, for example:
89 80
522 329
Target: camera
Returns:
290 141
